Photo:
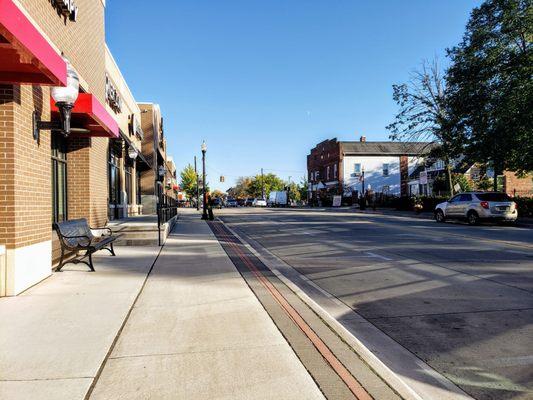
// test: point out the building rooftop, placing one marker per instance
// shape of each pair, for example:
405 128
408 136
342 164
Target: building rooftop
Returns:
386 148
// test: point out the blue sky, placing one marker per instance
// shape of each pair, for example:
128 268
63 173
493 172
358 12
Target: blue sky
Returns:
263 81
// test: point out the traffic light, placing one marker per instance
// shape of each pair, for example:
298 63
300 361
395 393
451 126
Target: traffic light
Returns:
222 178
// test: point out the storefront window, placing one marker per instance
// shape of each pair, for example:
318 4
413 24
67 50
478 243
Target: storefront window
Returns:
129 184
114 180
59 177
139 187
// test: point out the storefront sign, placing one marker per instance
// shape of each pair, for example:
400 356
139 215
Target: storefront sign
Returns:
135 127
112 96
67 7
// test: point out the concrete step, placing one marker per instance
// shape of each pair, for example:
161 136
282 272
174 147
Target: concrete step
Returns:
136 242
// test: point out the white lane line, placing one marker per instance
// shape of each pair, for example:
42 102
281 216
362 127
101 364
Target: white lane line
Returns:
378 256
518 252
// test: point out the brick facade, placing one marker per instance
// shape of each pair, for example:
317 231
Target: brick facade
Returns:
325 154
25 164
515 186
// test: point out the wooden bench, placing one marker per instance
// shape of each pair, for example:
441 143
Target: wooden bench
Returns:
77 236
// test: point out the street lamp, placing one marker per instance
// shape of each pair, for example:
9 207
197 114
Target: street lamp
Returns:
65 97
204 207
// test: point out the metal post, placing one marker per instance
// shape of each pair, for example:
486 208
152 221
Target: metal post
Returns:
363 188
262 185
204 212
197 186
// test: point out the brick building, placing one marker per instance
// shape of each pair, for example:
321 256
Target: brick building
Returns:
96 171
338 167
518 186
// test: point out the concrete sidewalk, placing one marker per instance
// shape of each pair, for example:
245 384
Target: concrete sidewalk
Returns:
198 332
55 336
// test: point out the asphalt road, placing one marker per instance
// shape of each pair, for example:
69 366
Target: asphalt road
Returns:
458 297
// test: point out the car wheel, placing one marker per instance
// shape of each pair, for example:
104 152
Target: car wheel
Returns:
473 218
439 216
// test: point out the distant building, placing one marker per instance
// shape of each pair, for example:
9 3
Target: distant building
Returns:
336 167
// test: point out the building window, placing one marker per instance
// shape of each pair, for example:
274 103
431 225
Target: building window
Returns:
385 169
357 169
114 175
334 171
327 172
128 183
59 177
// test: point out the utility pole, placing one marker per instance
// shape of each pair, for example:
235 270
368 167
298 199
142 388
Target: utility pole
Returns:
262 185
204 212
197 187
289 191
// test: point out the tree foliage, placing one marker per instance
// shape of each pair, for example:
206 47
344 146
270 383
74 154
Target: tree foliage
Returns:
188 182
241 188
423 115
271 183
490 86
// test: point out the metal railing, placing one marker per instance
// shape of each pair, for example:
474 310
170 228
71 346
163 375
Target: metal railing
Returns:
167 208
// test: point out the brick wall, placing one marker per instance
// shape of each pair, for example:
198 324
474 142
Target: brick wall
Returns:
83 41
515 186
25 165
326 153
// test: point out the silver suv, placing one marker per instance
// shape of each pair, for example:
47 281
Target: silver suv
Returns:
474 206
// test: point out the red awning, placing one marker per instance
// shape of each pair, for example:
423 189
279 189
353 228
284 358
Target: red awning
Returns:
88 113
25 55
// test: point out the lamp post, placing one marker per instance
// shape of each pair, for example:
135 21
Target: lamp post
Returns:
204 212
197 186
64 97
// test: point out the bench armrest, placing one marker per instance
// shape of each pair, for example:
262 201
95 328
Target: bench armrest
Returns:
109 231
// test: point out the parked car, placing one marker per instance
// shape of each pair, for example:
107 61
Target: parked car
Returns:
231 203
217 203
476 206
249 202
259 203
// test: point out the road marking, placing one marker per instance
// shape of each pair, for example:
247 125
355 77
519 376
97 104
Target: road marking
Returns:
378 256
518 252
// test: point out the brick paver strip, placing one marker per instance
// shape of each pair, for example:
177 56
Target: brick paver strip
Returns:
354 386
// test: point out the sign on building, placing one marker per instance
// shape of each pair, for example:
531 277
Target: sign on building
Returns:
423 179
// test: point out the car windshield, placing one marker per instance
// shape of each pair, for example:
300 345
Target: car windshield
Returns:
493 197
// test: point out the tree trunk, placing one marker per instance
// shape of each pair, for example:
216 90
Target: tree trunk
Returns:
496 173
448 175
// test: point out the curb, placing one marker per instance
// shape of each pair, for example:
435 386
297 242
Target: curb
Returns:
446 390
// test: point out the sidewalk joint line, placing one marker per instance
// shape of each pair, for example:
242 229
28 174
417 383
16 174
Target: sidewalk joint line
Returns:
119 332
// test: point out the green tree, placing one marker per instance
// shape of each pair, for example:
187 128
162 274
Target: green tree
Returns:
303 187
217 194
294 191
490 87
271 182
241 188
188 182
422 114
